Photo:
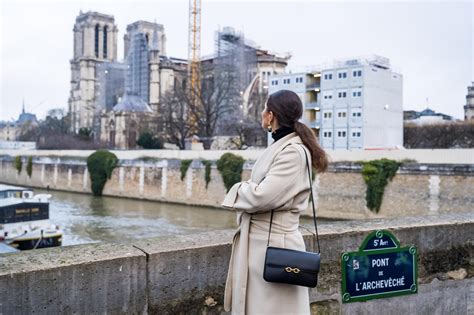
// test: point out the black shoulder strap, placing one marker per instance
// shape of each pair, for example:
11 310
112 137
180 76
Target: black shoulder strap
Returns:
312 204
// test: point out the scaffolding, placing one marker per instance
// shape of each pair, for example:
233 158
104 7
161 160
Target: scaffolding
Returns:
137 77
237 57
111 84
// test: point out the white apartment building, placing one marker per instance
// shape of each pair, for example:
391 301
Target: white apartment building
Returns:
356 105
308 87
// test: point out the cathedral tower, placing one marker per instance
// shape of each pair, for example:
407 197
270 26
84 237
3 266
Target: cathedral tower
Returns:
95 42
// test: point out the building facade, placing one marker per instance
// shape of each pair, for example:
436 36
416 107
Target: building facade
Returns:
95 42
108 96
351 104
101 86
308 87
8 131
469 107
12 130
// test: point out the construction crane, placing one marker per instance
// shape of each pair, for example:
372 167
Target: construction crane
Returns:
194 49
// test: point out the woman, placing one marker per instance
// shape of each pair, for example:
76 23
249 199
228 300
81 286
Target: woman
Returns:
279 181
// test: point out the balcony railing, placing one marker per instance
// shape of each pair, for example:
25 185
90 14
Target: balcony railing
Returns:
312 105
313 123
312 86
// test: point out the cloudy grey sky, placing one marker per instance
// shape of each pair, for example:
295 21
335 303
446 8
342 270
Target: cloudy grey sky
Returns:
430 43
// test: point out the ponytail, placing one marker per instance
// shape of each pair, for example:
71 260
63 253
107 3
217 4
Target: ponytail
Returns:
319 158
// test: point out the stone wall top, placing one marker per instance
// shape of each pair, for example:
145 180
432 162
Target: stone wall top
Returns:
186 274
55 257
45 258
443 156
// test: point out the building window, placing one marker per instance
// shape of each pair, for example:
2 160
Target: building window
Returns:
299 80
342 75
341 134
341 114
342 94
274 82
96 46
105 43
327 115
328 76
356 114
327 134
356 94
357 73
356 134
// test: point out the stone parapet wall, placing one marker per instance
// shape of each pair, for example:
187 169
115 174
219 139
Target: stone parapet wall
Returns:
416 189
186 274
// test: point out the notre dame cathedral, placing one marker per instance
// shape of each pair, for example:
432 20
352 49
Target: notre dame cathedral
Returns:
112 98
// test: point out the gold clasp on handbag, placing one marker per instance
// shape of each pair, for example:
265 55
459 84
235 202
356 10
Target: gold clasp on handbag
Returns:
289 269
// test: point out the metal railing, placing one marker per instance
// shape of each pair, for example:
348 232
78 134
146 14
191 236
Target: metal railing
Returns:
315 85
312 105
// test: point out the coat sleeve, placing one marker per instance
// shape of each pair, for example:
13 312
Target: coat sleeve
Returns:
277 188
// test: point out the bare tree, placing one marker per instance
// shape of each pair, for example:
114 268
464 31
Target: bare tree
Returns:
247 131
209 104
174 118
440 135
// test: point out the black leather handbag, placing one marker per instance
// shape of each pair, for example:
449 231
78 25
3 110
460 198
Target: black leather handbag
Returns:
291 266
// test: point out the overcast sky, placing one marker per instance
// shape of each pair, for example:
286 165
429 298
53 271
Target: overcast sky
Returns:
430 43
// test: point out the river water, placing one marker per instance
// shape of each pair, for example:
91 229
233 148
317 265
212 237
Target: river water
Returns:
87 219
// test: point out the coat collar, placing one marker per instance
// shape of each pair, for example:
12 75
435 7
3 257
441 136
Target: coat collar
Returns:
289 138
263 163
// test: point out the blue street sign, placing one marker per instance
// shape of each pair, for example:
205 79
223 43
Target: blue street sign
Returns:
381 268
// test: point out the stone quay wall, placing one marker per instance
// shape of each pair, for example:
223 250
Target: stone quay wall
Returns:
416 189
186 274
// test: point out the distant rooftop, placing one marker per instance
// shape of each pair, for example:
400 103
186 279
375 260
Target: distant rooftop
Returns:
132 103
136 25
26 117
371 59
89 14
427 112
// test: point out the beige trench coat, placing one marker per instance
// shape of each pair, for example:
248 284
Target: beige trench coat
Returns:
279 181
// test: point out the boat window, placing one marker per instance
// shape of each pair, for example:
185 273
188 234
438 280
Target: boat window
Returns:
24 212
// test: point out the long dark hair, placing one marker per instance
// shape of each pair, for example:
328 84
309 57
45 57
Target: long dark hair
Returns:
288 109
